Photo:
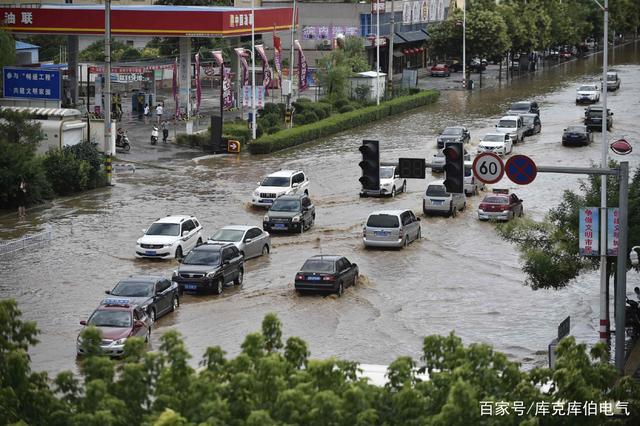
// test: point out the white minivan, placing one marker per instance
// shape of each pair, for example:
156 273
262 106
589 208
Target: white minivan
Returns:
391 228
513 126
436 199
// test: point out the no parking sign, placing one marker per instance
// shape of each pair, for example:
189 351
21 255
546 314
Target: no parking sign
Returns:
521 169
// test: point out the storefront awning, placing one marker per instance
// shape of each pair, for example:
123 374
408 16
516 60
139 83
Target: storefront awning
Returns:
411 36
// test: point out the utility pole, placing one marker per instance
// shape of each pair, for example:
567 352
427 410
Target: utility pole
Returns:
464 44
107 89
621 284
293 31
253 70
392 31
377 52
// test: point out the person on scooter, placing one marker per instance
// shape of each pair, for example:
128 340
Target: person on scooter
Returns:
119 135
154 134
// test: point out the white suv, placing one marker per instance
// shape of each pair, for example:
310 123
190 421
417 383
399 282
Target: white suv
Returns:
498 143
436 199
513 126
169 237
283 182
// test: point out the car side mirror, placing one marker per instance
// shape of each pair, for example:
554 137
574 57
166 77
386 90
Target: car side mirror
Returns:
185 233
564 130
295 185
248 240
144 230
83 322
107 291
224 263
259 183
138 323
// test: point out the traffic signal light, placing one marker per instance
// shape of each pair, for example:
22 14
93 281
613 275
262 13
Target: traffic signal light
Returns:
370 165
454 167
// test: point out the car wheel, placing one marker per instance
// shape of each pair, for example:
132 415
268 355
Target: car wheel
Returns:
404 187
405 243
175 303
238 279
242 254
393 192
265 250
340 289
355 278
464 207
454 211
152 315
219 286
179 255
302 227
147 338
419 234
199 243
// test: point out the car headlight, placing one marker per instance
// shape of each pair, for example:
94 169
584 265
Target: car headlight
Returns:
296 219
256 193
211 274
266 218
120 341
175 273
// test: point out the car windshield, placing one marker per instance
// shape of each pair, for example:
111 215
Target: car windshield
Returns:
202 257
436 190
576 129
595 112
386 172
104 318
228 235
520 106
452 131
383 221
493 138
133 289
507 124
275 181
612 77
495 200
587 88
318 265
440 65
168 229
285 206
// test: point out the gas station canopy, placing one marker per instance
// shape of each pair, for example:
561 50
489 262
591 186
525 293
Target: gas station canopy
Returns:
173 21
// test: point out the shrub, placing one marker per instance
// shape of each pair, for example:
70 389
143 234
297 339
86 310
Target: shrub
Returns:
272 108
17 161
346 108
310 117
195 140
65 172
237 131
340 102
87 152
339 122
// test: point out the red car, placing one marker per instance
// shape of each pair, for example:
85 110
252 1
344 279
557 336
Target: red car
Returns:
440 70
117 320
500 205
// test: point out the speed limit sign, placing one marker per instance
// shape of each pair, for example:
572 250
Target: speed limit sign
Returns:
488 167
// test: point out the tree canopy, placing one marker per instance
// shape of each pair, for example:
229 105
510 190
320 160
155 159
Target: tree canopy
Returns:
275 382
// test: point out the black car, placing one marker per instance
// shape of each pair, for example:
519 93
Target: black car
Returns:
524 107
593 117
577 135
532 124
209 267
154 294
326 274
453 134
294 213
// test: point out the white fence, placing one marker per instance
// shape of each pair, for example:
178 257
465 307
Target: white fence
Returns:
28 240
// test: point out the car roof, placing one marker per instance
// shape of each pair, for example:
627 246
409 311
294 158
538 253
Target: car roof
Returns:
143 278
326 257
121 308
389 212
174 219
529 114
612 72
292 196
436 182
284 173
510 117
522 103
454 127
503 135
239 227
213 246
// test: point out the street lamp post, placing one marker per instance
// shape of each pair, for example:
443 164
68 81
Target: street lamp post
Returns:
392 31
253 70
291 59
377 52
464 44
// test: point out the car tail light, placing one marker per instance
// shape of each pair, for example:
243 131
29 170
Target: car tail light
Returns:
299 277
364 232
401 233
328 278
504 208
482 206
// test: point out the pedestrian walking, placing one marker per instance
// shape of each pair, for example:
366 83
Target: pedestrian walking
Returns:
165 131
22 198
159 111
140 99
146 113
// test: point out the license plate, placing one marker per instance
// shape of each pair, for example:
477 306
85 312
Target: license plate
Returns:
437 202
312 278
267 201
380 233
278 225
150 252
190 287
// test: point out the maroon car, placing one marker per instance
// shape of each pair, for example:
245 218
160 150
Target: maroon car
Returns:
117 320
440 70
500 205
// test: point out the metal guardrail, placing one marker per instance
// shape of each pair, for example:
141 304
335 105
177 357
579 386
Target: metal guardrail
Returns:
11 246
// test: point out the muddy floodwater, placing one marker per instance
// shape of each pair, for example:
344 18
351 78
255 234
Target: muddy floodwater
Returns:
459 277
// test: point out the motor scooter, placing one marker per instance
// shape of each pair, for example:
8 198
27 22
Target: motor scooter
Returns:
122 141
154 135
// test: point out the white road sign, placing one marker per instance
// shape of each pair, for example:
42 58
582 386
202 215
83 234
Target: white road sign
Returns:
488 168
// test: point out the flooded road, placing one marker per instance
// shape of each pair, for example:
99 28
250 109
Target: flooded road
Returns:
459 277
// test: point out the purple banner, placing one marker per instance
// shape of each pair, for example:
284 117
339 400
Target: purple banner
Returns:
242 57
266 69
198 86
277 60
302 67
174 89
227 92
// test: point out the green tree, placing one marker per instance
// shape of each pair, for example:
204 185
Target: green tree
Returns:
7 49
549 249
49 46
337 66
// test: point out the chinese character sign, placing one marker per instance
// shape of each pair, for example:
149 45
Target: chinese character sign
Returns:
613 231
415 14
407 7
31 83
424 11
589 227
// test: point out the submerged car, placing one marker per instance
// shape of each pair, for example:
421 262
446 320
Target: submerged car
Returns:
497 143
588 93
524 107
282 182
250 240
293 213
577 135
209 268
513 126
155 294
440 70
453 134
613 81
324 273
532 124
169 237
390 183
593 117
500 205
391 228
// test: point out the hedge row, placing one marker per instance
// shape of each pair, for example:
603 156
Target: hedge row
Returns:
340 122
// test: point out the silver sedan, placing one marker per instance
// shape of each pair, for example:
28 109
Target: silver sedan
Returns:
250 240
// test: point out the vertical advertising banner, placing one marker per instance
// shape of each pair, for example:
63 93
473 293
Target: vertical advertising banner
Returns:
302 67
406 12
415 14
198 86
424 11
242 57
277 58
433 10
613 231
246 96
589 225
266 69
174 87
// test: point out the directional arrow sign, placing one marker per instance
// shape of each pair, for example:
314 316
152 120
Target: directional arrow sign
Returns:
488 168
521 169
